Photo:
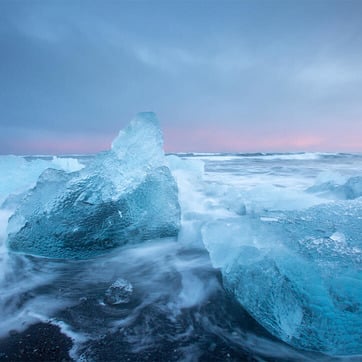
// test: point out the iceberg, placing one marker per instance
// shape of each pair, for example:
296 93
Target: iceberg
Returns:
125 195
298 273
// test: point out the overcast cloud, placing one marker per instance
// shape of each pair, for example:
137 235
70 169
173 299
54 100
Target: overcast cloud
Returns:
221 75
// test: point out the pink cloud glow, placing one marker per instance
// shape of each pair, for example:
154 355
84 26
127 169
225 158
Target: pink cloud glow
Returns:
211 139
65 145
229 140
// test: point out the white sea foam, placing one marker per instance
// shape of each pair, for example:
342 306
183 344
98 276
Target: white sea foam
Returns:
67 164
171 278
305 156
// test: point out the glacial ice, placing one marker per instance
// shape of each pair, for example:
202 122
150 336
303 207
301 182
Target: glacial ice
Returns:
125 195
18 174
298 273
119 292
350 190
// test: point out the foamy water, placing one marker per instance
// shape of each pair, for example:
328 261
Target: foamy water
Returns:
178 308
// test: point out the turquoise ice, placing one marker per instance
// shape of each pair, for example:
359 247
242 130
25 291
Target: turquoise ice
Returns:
298 273
125 195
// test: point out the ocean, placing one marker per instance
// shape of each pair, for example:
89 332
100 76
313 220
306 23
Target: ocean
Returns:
266 266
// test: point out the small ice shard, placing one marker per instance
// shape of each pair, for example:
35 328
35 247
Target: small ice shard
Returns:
119 292
123 196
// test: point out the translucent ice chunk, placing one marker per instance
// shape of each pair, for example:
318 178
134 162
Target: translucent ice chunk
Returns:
18 173
350 190
298 273
124 196
119 292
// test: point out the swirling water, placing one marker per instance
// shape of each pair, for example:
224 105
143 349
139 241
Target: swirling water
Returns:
171 303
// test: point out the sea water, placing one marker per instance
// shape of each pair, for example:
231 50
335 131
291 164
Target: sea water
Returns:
202 295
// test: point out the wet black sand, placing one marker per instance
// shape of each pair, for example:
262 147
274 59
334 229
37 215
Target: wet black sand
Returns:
40 342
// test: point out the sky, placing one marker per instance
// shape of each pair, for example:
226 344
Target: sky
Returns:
222 76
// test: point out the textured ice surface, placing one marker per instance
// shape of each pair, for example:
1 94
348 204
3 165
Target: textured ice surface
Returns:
124 196
350 190
18 174
298 273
